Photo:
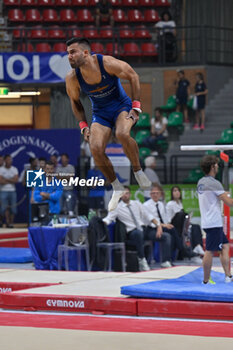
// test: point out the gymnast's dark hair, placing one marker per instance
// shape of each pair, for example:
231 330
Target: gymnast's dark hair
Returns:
81 41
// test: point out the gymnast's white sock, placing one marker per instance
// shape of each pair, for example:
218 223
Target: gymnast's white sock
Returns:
142 180
117 186
118 191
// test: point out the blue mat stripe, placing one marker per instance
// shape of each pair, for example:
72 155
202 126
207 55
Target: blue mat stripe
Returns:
187 287
15 255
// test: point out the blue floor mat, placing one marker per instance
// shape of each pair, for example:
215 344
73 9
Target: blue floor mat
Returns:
187 287
15 255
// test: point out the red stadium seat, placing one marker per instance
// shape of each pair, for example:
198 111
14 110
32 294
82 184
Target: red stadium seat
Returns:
80 3
119 16
60 47
64 3
125 32
28 3
97 48
19 32
132 3
142 33
84 15
56 33
45 3
11 2
106 32
33 15
67 15
25 47
77 33
151 16
38 33
50 15
15 15
116 2
93 2
43 47
135 16
131 49
90 32
112 49
148 49
145 3
161 3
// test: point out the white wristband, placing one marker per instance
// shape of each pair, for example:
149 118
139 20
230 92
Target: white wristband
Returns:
138 110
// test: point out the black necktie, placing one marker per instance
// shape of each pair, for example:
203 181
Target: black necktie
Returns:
134 218
159 214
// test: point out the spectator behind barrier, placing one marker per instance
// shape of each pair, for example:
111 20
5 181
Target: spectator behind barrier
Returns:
66 171
49 193
158 130
166 29
104 13
8 198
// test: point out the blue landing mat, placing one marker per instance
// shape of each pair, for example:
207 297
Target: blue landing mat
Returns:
15 255
187 287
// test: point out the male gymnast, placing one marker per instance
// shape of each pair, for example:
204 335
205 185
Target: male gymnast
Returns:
99 77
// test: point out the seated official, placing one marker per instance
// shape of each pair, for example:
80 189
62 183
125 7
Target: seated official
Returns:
132 214
176 216
50 194
156 207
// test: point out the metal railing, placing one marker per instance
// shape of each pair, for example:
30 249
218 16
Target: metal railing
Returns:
190 45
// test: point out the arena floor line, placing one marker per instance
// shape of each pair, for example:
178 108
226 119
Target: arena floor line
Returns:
48 332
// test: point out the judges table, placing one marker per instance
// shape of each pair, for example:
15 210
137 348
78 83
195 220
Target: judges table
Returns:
44 241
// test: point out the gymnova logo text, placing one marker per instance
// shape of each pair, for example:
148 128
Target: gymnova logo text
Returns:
38 179
65 303
5 290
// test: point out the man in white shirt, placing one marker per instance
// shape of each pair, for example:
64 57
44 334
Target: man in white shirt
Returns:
66 171
210 193
8 179
132 214
156 208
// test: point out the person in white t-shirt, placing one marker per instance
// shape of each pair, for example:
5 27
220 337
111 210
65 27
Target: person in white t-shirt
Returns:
166 29
158 130
8 198
210 193
167 25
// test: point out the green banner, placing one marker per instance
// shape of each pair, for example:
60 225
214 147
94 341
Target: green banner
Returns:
189 196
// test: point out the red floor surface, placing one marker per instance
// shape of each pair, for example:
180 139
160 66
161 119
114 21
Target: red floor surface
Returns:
115 324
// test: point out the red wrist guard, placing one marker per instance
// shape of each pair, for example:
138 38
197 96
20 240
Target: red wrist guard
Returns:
136 105
83 125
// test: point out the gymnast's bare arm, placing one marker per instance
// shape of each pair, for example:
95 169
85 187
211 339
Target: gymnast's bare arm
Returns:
73 91
123 71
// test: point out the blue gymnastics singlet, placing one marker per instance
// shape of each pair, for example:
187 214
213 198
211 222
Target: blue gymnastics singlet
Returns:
108 98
